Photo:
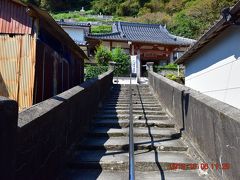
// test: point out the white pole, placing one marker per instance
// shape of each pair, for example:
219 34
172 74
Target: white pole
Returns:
178 70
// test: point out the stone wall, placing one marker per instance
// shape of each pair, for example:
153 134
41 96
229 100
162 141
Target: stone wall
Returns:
212 126
47 130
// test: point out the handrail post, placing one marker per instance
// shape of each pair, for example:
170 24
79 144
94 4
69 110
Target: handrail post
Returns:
113 66
149 66
131 140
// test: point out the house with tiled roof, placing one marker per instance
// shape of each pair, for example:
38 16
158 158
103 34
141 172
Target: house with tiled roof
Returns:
78 32
212 65
152 42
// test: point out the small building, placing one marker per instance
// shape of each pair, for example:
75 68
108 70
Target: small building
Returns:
38 59
78 32
212 65
151 42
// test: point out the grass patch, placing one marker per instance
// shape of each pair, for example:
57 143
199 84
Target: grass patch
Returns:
74 15
102 29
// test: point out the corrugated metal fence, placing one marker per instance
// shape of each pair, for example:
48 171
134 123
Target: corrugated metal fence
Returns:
17 68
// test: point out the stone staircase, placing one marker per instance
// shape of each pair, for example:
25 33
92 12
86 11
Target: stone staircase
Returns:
158 146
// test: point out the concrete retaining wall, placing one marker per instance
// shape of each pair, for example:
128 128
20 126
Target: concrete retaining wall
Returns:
8 132
48 129
213 126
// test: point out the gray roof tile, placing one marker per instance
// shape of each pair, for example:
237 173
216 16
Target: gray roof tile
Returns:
76 24
148 33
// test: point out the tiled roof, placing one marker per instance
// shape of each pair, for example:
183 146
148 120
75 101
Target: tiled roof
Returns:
76 24
148 33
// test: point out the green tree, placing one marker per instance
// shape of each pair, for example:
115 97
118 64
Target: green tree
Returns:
128 8
107 7
60 5
103 55
186 26
123 61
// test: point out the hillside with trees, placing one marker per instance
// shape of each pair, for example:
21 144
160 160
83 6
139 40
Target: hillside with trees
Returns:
188 18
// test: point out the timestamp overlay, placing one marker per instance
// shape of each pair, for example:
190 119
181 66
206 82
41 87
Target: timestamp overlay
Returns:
202 166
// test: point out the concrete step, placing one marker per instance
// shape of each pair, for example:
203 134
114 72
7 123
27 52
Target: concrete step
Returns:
136 123
133 101
140 111
127 94
135 112
145 160
126 105
122 143
133 88
134 94
137 101
95 174
126 99
135 117
135 108
138 132
149 103
127 87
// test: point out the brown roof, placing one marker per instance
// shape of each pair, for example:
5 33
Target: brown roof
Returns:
210 34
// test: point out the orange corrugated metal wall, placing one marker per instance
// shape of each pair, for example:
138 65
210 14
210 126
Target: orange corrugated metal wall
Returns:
17 68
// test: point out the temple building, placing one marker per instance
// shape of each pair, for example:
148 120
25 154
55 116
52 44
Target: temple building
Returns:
151 42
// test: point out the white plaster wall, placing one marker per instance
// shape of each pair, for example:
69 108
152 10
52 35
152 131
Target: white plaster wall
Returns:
215 70
75 34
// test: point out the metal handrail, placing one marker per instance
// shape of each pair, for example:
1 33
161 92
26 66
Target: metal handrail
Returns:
131 140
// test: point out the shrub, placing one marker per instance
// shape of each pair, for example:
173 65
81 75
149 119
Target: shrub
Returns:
153 18
171 76
103 55
94 71
120 57
175 78
102 29
170 66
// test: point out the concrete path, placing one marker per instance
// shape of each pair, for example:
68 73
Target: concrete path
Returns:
160 152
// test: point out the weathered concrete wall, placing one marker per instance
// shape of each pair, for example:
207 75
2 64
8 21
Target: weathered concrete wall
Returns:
213 126
8 132
48 129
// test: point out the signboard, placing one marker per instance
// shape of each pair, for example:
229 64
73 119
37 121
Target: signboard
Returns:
134 64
